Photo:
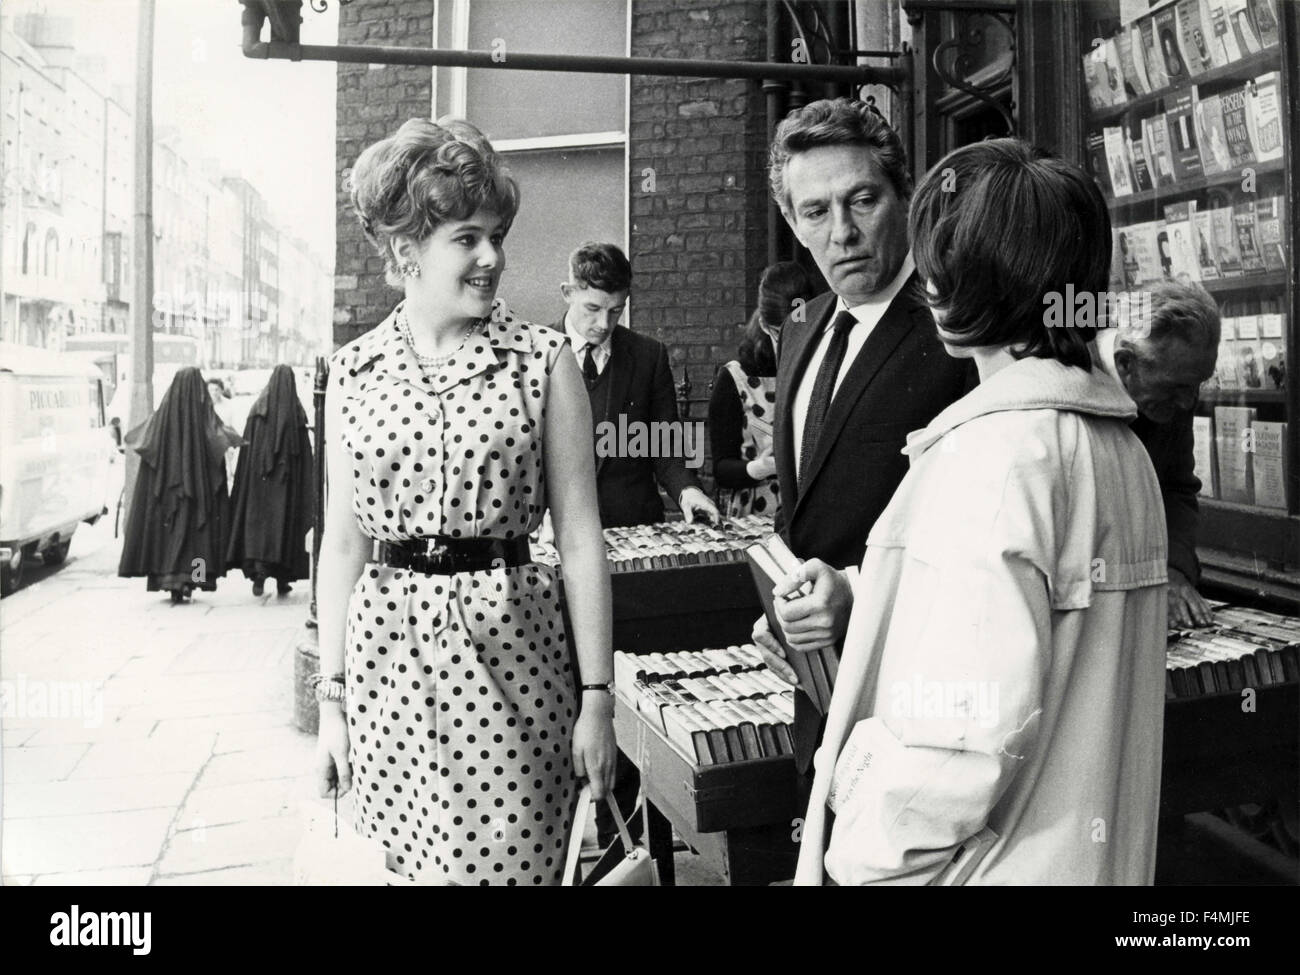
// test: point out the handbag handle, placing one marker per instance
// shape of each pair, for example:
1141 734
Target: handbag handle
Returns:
580 814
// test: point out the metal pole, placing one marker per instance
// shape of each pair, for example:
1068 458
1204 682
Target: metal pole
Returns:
589 64
318 475
142 298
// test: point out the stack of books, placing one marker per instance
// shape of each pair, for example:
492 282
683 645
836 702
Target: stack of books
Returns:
1201 243
717 706
1243 648
672 544
770 563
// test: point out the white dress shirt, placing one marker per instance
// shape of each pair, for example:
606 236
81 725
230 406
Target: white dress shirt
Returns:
600 353
868 314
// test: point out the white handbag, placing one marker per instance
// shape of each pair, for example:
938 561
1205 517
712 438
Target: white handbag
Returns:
636 869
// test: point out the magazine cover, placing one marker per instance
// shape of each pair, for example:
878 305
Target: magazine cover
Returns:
1191 31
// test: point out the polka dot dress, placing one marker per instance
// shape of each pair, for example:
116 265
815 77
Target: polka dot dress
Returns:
758 404
460 700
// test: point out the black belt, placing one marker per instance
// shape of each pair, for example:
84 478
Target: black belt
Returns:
443 555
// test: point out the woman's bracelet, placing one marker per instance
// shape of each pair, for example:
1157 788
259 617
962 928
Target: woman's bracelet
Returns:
607 687
327 687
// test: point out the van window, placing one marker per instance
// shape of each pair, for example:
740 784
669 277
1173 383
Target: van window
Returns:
51 405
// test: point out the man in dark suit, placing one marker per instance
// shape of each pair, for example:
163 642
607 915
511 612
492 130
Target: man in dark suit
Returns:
1161 355
631 389
859 367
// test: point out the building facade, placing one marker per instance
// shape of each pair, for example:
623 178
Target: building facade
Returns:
66 207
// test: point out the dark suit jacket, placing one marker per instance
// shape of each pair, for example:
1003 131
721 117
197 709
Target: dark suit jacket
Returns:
901 379
640 387
1169 446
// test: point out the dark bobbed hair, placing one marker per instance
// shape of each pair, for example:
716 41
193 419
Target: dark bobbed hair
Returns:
427 174
780 286
836 122
601 266
998 225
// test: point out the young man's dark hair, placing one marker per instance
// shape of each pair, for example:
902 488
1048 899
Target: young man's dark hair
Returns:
602 266
995 227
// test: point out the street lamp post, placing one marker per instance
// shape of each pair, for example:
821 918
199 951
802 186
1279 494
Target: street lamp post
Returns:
142 298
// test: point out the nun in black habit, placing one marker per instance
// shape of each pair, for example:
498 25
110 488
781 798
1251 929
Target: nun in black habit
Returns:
177 527
272 499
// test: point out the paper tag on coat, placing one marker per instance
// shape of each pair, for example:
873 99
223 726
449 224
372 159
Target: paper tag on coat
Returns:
853 763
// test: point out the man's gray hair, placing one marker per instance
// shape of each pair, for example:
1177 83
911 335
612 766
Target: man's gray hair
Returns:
836 122
1183 312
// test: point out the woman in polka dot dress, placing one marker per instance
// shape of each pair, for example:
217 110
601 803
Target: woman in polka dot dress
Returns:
743 403
452 427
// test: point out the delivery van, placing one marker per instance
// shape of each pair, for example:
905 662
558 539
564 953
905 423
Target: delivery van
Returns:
55 454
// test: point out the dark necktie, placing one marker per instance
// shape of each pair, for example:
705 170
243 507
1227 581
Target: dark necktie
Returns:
823 389
589 371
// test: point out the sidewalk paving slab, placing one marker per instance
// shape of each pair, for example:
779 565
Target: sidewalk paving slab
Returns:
113 759
235 844
42 763
87 796
68 844
225 804
273 873
112 877
286 759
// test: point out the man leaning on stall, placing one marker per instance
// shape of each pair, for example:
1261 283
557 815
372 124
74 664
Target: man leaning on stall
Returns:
860 366
1161 359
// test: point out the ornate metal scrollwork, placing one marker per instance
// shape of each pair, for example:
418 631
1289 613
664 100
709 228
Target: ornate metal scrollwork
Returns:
970 37
320 6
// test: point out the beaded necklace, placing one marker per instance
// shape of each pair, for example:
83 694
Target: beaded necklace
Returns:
433 362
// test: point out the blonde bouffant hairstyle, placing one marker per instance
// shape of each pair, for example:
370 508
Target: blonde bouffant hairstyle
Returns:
424 175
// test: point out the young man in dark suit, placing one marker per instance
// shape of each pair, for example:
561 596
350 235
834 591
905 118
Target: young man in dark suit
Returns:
860 366
631 386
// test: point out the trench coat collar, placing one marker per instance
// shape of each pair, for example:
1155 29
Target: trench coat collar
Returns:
502 334
1030 384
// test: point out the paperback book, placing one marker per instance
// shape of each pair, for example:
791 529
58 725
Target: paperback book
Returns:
1232 447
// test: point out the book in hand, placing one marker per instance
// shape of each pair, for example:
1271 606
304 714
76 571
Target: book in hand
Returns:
771 561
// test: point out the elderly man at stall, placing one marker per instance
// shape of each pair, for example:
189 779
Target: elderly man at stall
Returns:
1161 358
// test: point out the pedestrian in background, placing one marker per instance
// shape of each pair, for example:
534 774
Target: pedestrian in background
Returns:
271 505
176 529
743 403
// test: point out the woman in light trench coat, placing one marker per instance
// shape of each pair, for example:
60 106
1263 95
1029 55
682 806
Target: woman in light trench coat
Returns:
999 708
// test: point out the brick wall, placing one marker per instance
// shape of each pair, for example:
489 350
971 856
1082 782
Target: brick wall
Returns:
698 228
698 238
372 102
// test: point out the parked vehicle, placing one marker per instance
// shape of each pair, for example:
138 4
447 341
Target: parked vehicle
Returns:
55 454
